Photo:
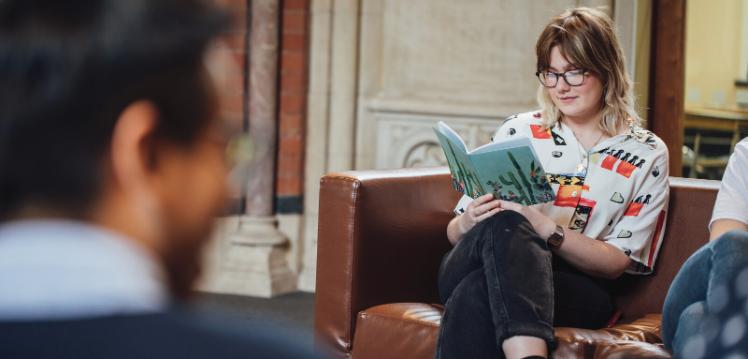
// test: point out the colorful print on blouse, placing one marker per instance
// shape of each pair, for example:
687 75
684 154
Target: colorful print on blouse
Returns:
616 192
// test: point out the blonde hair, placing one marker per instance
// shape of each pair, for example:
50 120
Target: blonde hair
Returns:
587 39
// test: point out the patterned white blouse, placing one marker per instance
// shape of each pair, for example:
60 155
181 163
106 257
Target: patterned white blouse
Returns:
616 192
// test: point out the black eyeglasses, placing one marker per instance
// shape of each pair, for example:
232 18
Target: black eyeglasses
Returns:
572 77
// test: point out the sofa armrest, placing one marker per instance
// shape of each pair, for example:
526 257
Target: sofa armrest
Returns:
381 237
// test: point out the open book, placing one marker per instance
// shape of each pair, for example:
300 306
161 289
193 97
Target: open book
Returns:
509 169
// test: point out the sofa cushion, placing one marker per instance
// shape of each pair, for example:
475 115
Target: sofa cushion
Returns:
642 336
397 330
410 330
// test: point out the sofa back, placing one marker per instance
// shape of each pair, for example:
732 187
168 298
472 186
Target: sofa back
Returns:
689 212
382 234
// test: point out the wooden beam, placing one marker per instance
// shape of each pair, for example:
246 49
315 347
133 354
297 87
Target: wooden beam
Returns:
667 76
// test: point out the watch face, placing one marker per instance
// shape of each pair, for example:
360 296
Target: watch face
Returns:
554 240
557 237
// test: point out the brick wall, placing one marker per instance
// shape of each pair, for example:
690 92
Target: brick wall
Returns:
294 73
228 64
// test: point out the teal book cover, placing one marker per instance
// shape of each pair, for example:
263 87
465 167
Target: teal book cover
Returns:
509 169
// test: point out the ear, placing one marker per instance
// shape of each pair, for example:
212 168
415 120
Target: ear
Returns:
132 146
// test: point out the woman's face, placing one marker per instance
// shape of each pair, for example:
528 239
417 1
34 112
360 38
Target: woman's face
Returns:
581 102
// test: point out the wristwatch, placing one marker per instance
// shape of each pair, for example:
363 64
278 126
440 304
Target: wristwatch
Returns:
557 237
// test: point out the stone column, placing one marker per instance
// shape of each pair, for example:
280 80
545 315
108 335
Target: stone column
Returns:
255 264
331 110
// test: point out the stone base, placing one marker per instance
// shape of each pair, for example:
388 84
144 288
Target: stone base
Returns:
259 271
254 262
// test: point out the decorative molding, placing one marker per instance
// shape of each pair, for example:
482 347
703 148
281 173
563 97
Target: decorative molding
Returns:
427 153
408 140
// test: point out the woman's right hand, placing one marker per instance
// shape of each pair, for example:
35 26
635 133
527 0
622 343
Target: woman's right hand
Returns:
479 209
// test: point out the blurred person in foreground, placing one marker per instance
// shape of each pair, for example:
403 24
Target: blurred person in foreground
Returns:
112 169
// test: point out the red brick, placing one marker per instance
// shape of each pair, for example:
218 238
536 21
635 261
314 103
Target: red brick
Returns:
294 22
294 134
292 104
292 83
285 167
292 63
292 120
290 131
292 181
295 5
289 166
292 98
290 152
291 185
289 180
293 42
291 147
286 188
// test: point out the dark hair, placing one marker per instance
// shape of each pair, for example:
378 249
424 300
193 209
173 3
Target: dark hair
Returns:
67 71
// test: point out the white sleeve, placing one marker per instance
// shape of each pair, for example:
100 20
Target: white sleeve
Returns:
510 127
640 231
732 199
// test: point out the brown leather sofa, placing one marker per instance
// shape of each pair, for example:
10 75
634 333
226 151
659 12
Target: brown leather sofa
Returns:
382 236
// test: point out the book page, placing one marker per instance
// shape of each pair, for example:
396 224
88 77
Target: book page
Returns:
502 145
464 176
451 135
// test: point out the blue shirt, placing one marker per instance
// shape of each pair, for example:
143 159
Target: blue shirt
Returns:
55 269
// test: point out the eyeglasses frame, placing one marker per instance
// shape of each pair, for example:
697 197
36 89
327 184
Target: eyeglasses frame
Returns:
585 72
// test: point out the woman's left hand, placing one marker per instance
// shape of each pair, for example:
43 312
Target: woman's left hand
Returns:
542 224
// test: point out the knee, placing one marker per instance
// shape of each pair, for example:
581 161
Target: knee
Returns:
693 311
735 235
689 324
505 221
731 242
508 229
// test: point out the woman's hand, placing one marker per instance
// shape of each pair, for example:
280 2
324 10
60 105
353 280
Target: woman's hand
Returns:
542 224
479 209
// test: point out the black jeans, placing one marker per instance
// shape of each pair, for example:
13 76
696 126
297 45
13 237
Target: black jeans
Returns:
501 280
